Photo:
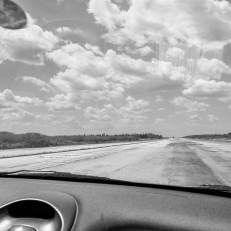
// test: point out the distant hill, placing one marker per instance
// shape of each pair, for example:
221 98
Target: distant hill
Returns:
9 140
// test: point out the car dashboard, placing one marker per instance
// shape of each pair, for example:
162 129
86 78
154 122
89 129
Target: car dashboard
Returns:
54 205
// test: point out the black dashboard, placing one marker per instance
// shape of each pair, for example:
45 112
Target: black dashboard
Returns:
89 206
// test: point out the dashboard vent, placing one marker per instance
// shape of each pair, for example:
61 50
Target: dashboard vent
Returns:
32 209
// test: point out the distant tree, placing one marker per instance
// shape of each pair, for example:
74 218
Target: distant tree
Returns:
33 139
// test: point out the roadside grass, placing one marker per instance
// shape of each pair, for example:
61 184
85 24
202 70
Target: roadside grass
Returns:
69 150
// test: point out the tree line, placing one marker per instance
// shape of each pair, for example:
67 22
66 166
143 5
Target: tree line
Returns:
210 136
9 140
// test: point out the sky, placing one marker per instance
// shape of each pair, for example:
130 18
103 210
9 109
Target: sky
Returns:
118 66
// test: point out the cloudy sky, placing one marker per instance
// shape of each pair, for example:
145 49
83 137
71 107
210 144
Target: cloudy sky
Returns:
83 67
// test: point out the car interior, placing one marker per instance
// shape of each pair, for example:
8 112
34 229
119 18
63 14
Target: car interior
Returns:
65 204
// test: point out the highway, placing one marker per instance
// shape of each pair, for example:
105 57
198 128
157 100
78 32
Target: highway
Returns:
172 162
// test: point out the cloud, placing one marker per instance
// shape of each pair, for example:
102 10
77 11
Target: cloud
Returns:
212 66
86 73
127 115
42 85
132 111
136 105
175 53
65 120
90 74
159 121
212 118
140 75
69 119
106 13
62 102
94 49
63 30
70 81
190 105
208 26
72 121
125 64
161 109
143 51
158 99
67 33
97 114
84 69
26 45
100 124
130 119
74 56
194 117
49 117
203 89
8 100
22 115
113 92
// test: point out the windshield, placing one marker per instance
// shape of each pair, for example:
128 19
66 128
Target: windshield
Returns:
135 90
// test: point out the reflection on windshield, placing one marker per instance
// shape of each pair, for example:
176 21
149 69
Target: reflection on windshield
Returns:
134 90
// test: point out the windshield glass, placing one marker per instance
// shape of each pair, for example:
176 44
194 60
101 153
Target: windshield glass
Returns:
135 90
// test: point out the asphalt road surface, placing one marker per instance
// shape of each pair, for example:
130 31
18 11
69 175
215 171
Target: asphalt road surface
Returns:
173 162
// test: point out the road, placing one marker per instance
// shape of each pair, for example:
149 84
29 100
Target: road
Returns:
173 162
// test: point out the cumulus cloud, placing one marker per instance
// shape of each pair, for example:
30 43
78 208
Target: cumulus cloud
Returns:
26 45
194 117
212 118
64 120
70 34
129 119
85 70
143 51
132 111
72 121
128 115
97 114
8 100
190 105
175 53
70 81
132 73
74 56
212 66
94 49
125 64
210 25
158 99
22 115
203 89
63 30
49 117
91 74
113 92
141 75
136 105
42 85
62 102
